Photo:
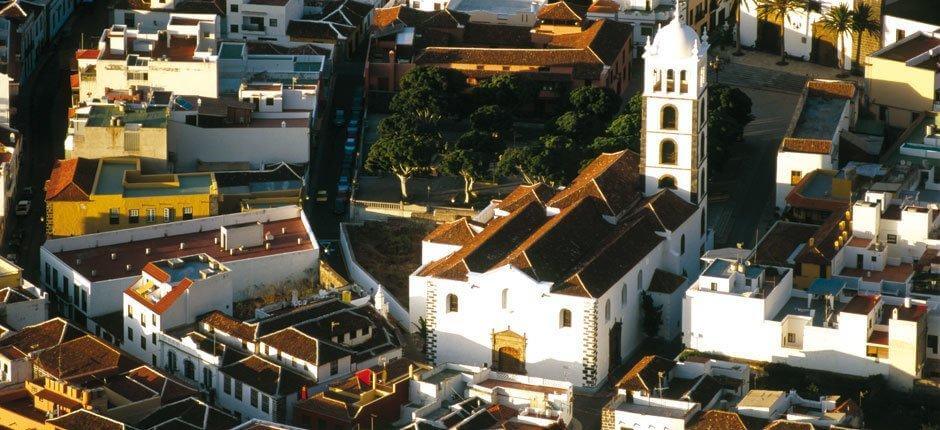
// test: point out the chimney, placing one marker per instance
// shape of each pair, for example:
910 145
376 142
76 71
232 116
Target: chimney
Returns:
267 245
127 268
146 251
113 256
78 261
894 313
411 371
94 273
375 380
215 240
300 240
182 245
283 230
907 302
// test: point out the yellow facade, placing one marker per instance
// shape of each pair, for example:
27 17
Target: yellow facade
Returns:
900 89
10 274
141 200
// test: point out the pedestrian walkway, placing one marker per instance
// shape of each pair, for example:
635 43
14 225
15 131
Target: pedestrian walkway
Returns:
760 70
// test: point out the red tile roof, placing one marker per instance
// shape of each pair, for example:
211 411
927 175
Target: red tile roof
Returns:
811 146
644 376
203 242
166 301
87 54
840 89
604 6
862 304
41 336
719 420
456 232
84 357
665 282
525 193
71 180
562 11
226 324
611 177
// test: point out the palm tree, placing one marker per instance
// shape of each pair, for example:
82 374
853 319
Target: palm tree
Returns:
864 20
839 20
772 10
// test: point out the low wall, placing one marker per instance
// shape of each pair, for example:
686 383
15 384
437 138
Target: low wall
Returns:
385 301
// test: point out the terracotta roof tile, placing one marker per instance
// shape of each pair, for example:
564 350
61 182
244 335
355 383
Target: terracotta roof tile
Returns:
670 210
644 376
789 425
811 146
862 304
456 232
71 180
83 419
294 343
604 38
226 324
41 336
562 11
604 6
778 244
665 282
841 89
84 357
525 193
611 177
719 420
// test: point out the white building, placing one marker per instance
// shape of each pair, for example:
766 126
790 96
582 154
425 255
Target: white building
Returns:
541 403
151 16
271 247
665 394
10 151
645 16
262 20
171 293
21 302
180 58
753 312
257 368
802 30
823 114
561 275
903 18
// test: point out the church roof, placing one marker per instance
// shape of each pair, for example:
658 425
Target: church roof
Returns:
582 240
676 39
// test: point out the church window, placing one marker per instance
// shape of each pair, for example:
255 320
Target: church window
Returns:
670 80
667 182
564 318
668 117
505 298
623 293
683 83
639 280
452 303
658 80
667 152
607 311
682 245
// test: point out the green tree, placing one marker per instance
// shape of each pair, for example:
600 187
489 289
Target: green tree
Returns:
864 20
494 120
403 148
729 111
600 102
552 159
624 131
839 20
736 6
471 158
509 91
426 91
772 10
652 315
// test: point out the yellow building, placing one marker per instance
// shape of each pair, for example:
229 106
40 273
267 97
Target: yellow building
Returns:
902 79
85 196
10 274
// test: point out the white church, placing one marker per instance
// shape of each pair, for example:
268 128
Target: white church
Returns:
549 282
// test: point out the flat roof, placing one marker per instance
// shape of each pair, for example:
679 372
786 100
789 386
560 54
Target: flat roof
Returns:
820 116
193 183
499 7
761 398
915 10
151 117
111 176
133 253
652 410
719 269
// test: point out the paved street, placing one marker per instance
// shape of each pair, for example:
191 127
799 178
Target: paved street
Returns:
43 120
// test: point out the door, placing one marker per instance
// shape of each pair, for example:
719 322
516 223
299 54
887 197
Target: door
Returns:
614 341
859 261
510 360
825 49
768 36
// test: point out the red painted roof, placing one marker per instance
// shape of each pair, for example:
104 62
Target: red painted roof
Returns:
87 54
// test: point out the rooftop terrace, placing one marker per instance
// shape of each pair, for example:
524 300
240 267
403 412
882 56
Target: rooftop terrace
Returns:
133 251
151 117
820 117
122 176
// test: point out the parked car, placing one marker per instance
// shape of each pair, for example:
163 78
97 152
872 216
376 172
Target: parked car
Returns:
350 146
342 186
352 131
340 118
27 193
321 196
339 204
22 207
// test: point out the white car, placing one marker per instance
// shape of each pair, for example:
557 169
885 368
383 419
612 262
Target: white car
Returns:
22 207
